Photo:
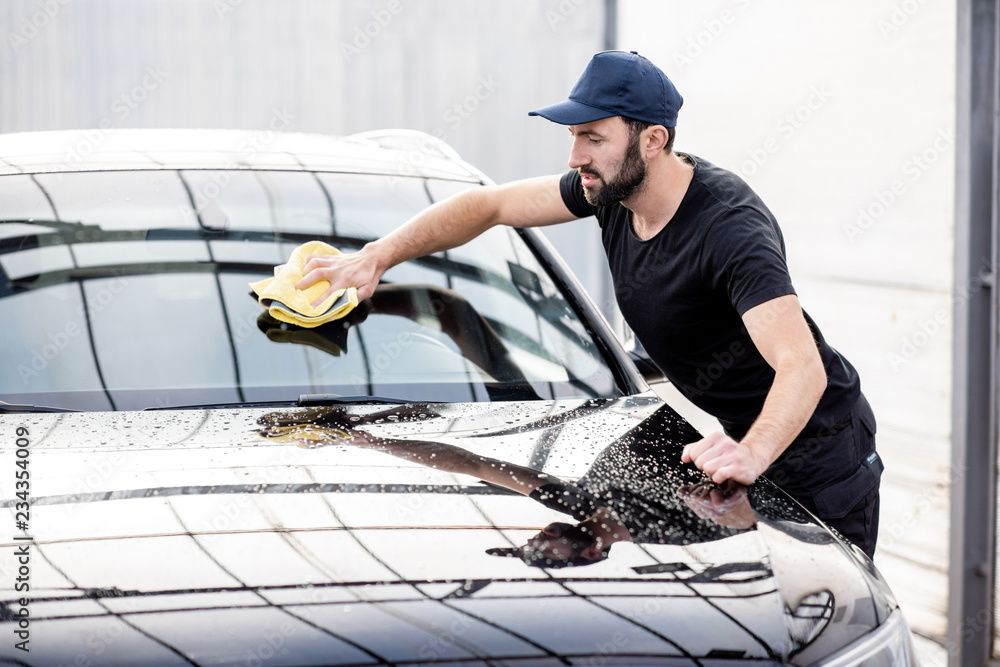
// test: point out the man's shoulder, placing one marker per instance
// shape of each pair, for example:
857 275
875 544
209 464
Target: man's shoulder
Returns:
724 187
724 202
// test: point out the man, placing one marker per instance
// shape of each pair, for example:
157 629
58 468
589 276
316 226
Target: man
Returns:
699 269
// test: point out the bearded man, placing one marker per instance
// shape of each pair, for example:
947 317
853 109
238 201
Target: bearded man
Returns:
699 269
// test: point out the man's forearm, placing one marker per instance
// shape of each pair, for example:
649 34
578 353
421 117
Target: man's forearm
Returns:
450 458
442 226
790 403
782 336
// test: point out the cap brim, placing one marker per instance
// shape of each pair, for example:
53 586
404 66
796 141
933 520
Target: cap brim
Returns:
570 112
508 552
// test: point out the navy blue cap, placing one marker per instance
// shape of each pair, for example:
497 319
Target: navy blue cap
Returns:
618 83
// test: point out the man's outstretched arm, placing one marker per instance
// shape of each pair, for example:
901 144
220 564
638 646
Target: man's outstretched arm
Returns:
442 456
442 226
779 331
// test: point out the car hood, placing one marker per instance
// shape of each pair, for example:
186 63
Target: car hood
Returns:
263 537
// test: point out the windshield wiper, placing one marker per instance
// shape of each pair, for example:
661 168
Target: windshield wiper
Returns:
336 399
302 401
42 222
61 225
8 408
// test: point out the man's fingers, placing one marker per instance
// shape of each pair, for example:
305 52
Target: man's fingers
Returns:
721 475
310 278
363 293
738 471
711 456
728 472
711 462
721 458
316 268
326 295
341 271
366 291
312 262
695 449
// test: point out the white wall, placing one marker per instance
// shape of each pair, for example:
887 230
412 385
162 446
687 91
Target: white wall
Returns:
825 109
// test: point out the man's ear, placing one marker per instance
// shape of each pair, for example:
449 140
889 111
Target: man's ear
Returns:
592 553
655 140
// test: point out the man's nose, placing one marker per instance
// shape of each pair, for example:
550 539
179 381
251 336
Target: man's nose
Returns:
577 156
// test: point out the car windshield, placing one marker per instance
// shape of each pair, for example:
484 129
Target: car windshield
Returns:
125 290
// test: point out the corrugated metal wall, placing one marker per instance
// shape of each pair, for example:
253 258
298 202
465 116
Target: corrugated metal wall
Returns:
465 70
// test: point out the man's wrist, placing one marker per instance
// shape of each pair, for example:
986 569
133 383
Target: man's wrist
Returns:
377 253
763 451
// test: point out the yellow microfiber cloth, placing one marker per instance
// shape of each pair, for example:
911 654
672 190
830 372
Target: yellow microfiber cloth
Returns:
306 437
283 302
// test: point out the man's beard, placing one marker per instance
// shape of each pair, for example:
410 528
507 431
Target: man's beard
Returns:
572 537
629 178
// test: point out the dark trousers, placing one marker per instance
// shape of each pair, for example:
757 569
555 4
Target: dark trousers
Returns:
839 473
859 525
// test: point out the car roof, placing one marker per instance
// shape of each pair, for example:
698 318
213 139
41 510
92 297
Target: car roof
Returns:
397 152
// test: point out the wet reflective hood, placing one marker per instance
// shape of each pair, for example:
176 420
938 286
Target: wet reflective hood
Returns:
412 534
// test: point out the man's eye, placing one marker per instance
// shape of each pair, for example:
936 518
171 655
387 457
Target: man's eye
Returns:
595 141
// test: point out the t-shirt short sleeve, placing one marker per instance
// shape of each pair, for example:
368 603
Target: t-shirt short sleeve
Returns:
567 498
571 189
744 257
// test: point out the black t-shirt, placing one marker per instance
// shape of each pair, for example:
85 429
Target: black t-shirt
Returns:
684 291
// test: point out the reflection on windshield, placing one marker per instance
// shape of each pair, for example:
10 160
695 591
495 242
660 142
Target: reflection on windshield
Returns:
129 290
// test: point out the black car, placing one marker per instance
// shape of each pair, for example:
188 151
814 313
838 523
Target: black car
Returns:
467 469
